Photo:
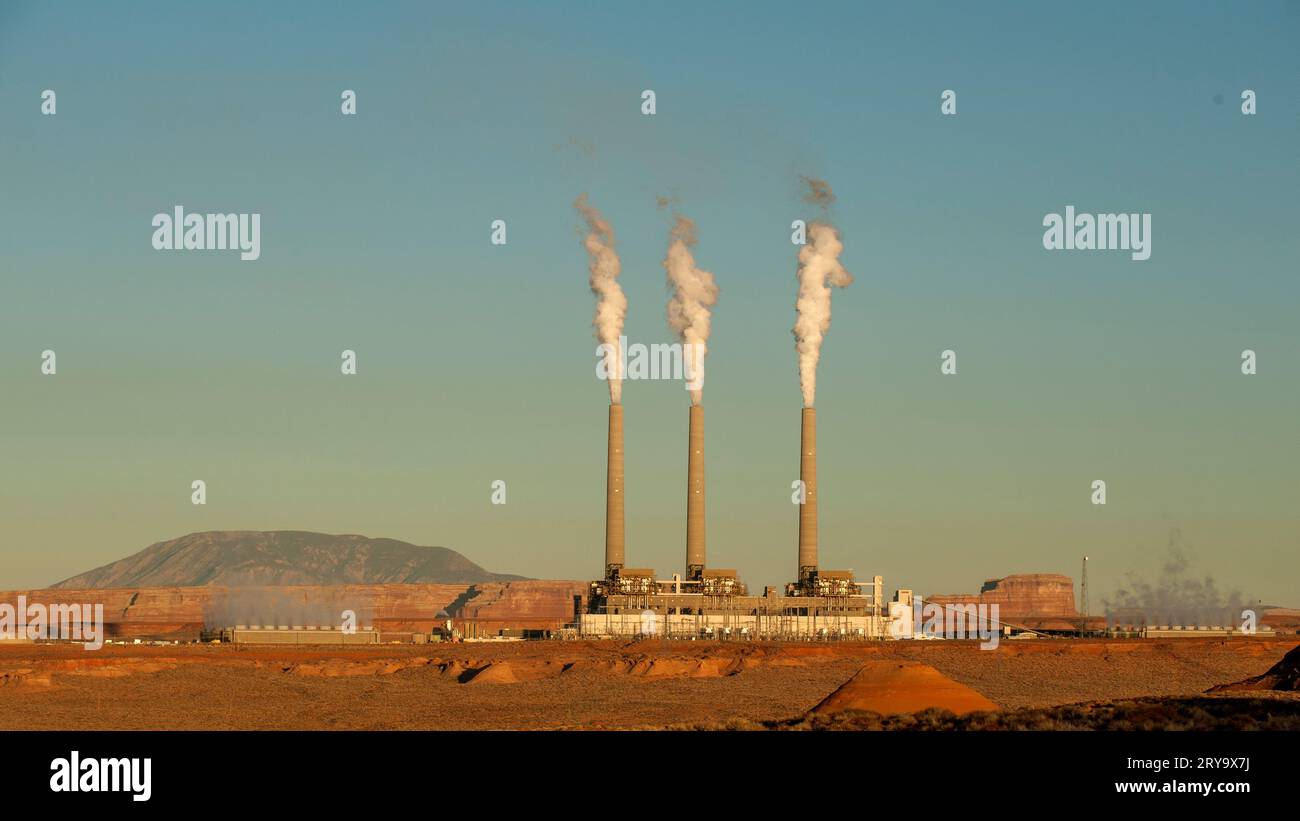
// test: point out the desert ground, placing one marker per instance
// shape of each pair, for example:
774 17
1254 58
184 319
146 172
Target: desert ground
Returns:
587 685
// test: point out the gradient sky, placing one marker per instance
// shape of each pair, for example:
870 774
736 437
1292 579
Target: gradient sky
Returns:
477 362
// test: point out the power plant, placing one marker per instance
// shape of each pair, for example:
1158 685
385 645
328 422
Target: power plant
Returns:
705 602
810 581
715 603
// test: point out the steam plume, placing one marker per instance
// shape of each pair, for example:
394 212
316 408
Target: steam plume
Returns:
259 605
611 304
819 269
693 291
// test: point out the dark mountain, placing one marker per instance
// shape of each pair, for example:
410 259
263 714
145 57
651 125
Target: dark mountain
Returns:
234 558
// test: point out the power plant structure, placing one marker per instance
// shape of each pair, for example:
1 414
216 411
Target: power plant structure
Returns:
811 581
714 603
309 634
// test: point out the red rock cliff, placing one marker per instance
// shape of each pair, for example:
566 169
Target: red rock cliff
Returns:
1022 596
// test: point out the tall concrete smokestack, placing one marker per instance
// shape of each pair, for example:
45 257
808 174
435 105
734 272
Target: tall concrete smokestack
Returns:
808 510
695 494
614 493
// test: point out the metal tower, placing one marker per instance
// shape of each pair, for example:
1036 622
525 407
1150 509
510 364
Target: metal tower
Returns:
1083 591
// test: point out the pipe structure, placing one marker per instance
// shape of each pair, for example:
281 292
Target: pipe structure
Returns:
614 545
695 494
808 510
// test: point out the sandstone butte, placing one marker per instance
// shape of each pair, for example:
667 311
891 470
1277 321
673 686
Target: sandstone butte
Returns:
179 613
1038 600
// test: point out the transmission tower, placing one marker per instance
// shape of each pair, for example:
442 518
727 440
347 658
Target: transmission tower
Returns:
1083 588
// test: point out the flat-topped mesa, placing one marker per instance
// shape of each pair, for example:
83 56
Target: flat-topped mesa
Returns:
1038 594
182 613
1021 596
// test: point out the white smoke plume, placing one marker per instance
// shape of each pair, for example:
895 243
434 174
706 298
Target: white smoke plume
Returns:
611 304
819 270
693 291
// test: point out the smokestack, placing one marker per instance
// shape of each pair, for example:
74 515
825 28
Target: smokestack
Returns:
614 493
808 510
695 494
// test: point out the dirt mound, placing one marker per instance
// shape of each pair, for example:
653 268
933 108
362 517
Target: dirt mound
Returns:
663 668
334 668
890 687
1285 675
501 672
107 667
337 667
599 665
128 668
24 677
498 672
43 672
706 667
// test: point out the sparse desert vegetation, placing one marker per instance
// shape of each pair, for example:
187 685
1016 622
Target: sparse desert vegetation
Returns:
1077 684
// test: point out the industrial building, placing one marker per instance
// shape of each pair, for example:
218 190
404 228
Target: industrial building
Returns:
255 634
715 603
1177 631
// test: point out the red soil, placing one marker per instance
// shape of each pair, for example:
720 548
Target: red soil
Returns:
1284 676
890 687
584 684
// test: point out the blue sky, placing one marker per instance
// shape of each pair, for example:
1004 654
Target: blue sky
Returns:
476 361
